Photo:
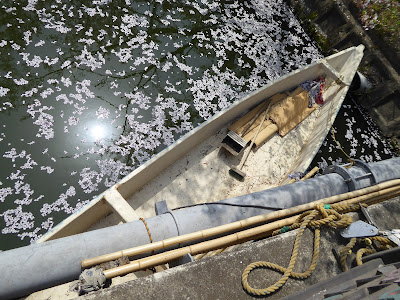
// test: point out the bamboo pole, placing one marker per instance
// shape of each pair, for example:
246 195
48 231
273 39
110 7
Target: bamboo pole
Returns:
235 225
202 247
193 250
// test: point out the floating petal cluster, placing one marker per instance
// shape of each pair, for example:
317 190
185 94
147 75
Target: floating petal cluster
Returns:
360 142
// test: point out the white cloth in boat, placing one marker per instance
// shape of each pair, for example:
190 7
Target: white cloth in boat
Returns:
286 111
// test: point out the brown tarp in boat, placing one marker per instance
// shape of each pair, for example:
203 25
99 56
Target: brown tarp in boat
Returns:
286 112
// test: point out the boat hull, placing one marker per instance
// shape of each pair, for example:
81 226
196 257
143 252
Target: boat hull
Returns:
194 170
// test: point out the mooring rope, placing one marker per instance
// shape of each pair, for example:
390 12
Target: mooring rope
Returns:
384 244
345 252
333 132
329 215
341 149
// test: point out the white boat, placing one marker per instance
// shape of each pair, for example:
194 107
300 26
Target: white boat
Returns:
195 169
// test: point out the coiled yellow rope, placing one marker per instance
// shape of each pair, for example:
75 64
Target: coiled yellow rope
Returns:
329 216
360 254
345 252
385 243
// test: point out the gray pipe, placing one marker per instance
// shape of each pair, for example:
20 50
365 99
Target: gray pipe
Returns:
39 266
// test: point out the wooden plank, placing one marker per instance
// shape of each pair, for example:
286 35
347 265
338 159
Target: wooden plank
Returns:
119 206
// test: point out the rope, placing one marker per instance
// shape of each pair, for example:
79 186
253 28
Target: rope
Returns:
345 252
360 254
333 132
384 243
382 240
153 269
329 216
341 149
148 231
147 228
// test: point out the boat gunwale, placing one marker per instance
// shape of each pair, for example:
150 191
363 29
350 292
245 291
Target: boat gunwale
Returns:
301 162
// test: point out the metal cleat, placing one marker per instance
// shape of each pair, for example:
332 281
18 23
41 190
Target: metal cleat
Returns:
359 229
364 229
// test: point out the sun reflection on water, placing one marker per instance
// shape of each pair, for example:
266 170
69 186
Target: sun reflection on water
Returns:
98 132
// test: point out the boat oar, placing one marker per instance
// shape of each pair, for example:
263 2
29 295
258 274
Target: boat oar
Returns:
237 171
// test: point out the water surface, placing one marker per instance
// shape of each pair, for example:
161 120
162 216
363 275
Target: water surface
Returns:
90 90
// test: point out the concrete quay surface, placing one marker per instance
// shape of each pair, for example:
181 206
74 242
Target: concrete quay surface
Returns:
219 277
